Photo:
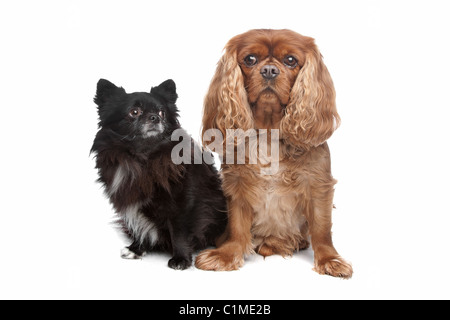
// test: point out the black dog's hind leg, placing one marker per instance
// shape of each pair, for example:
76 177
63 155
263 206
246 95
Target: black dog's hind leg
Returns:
134 251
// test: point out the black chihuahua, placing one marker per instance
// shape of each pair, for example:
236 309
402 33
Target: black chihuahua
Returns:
161 205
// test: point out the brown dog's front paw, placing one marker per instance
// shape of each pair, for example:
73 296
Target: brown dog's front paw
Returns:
335 266
221 259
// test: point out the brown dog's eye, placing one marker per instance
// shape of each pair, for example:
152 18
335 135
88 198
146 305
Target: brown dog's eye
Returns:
135 112
250 60
290 61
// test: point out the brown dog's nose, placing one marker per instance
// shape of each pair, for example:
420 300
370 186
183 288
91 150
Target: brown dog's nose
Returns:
269 72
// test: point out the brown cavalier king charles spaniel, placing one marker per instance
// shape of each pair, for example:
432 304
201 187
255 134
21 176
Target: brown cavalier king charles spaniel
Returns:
276 80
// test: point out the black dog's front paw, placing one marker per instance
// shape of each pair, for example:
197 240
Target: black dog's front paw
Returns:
180 263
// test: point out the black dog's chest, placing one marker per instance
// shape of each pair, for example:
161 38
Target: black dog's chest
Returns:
131 182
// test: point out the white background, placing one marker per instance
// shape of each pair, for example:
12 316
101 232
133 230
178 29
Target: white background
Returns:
390 64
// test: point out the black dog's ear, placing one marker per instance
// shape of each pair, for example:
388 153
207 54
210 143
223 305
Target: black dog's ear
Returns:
106 90
166 90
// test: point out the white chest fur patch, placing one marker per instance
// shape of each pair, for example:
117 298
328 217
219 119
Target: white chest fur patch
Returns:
141 227
119 177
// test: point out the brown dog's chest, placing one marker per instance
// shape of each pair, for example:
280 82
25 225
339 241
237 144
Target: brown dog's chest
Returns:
279 211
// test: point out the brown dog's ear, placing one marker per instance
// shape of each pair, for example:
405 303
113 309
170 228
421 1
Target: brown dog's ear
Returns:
226 105
311 116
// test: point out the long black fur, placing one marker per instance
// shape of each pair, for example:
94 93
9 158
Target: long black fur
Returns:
161 205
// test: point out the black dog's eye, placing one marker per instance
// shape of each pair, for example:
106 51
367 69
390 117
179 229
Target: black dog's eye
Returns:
162 114
250 60
290 61
135 112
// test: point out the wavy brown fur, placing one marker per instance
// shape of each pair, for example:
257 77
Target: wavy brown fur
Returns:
280 213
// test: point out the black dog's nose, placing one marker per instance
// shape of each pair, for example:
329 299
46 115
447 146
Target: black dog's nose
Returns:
154 118
269 72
